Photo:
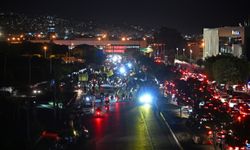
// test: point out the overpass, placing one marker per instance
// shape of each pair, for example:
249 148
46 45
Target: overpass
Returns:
109 46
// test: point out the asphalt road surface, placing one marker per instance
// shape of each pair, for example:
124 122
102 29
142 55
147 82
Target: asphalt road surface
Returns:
128 126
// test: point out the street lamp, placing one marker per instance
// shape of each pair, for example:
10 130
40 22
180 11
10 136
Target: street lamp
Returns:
190 56
45 48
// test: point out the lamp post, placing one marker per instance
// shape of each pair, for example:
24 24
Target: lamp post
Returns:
45 48
183 51
30 57
177 49
50 64
190 55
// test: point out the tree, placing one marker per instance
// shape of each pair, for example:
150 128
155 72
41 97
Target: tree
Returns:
199 62
171 37
227 69
90 53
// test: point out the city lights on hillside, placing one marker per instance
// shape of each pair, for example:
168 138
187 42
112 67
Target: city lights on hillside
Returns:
14 39
53 36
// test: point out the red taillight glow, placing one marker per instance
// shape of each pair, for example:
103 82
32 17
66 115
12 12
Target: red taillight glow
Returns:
239 118
236 148
209 132
230 148
242 148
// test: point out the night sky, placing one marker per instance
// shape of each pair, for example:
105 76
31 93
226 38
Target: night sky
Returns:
188 16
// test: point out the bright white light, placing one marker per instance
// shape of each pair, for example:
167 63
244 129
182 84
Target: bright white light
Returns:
129 65
114 58
122 70
87 98
147 98
37 91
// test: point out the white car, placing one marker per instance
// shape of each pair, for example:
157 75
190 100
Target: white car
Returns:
233 102
223 98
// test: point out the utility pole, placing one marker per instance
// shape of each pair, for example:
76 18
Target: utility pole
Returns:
4 68
177 49
50 65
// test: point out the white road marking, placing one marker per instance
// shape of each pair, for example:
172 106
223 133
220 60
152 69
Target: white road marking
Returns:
175 138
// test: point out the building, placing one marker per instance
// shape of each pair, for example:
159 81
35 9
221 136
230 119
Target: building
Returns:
224 40
108 46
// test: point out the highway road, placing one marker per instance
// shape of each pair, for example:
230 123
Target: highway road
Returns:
128 126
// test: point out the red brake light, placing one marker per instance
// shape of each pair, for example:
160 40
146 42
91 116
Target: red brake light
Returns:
230 148
209 132
239 118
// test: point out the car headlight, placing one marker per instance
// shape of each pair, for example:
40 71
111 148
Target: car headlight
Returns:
87 98
146 98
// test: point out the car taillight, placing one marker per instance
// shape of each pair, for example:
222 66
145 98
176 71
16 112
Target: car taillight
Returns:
230 148
239 118
210 132
98 113
242 148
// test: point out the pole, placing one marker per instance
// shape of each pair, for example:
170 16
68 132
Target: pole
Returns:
45 54
190 55
4 67
177 52
30 70
28 122
50 65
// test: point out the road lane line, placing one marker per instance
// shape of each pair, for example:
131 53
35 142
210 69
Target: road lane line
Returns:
145 125
175 138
